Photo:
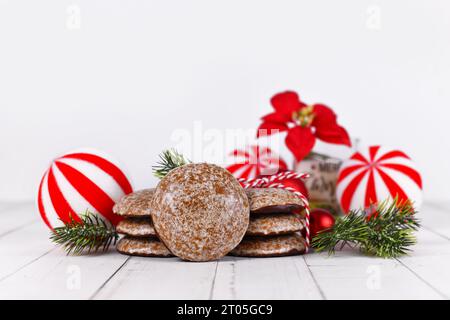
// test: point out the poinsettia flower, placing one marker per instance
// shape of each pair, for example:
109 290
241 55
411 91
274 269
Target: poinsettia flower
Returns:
303 123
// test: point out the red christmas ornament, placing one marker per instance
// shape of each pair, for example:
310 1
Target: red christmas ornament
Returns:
320 220
376 174
78 181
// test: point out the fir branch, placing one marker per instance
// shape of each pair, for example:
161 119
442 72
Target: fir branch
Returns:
392 232
169 160
92 234
349 229
387 233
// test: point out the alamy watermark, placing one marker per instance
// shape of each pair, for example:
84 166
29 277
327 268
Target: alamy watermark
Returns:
373 281
73 281
73 20
213 145
373 17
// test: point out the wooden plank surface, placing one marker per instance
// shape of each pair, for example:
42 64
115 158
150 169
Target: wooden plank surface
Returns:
349 275
14 216
56 276
23 239
32 267
160 278
272 278
431 262
436 218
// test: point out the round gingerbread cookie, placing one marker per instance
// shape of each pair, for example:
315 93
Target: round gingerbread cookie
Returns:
136 227
274 224
136 204
144 247
200 212
273 200
277 246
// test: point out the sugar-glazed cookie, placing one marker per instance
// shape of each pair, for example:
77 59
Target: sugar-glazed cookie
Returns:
273 224
200 212
136 204
276 246
273 200
144 247
136 227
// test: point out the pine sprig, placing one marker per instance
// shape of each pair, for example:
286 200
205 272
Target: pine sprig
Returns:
92 234
169 160
347 230
387 233
392 233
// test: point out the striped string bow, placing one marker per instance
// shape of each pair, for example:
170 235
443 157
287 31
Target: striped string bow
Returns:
273 181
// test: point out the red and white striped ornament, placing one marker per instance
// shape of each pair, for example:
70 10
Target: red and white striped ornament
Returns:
254 162
377 174
79 181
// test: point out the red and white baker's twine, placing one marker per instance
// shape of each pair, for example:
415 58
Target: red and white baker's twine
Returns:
272 182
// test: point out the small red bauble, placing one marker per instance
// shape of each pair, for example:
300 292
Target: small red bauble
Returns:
296 184
320 220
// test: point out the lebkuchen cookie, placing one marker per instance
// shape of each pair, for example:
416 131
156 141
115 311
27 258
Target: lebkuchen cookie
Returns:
136 204
274 224
136 227
273 200
144 247
140 235
200 212
275 246
276 218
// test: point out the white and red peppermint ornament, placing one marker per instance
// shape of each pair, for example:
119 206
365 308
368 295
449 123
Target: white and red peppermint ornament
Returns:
80 181
377 174
254 162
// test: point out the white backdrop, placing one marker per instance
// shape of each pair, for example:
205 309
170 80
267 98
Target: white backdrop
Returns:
121 76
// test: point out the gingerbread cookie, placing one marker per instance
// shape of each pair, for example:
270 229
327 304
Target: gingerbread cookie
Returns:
143 247
136 204
136 227
274 224
200 212
273 200
277 246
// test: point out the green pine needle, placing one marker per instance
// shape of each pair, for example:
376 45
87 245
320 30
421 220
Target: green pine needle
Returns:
389 233
169 160
92 234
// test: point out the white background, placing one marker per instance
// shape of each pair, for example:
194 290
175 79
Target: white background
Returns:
121 76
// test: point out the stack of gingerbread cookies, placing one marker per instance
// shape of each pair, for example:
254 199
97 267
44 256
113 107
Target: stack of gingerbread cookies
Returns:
140 236
200 212
276 222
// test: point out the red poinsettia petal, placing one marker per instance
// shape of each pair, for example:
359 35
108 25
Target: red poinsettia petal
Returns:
333 134
300 141
286 103
327 129
276 117
268 128
323 116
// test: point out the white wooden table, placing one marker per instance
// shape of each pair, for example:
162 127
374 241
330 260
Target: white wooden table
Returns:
33 268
